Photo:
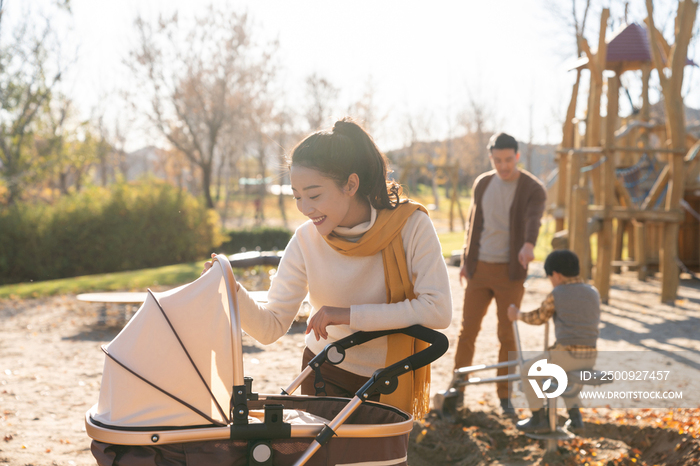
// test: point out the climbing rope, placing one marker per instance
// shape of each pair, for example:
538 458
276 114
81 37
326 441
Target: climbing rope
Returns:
595 165
633 176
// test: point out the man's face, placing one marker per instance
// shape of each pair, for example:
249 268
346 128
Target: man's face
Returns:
504 161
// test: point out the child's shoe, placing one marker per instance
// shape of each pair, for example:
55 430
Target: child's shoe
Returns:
575 422
537 424
506 408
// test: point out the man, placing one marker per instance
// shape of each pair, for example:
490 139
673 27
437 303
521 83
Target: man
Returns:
504 222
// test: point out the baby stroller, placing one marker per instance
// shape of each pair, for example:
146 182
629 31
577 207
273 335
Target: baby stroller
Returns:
173 393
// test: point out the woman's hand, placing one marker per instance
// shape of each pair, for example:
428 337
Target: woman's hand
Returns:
208 265
326 316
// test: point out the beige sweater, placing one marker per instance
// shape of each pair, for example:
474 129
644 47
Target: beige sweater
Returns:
332 279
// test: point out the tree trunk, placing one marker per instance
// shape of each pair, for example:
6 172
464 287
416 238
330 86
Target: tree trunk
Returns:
11 175
206 185
280 199
434 185
78 179
262 187
63 183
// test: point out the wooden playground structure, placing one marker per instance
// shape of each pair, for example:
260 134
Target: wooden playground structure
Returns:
628 178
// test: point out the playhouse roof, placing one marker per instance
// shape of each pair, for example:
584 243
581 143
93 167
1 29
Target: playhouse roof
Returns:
629 43
627 49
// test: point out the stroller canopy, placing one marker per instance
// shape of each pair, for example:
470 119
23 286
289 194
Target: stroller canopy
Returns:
175 363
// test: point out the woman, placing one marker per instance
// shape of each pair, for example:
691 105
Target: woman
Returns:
368 260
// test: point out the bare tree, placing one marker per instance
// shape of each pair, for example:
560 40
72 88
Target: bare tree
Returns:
52 139
479 121
365 109
201 82
111 136
282 134
230 152
261 126
571 19
322 96
26 83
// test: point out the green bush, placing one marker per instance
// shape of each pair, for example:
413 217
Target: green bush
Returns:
124 227
265 238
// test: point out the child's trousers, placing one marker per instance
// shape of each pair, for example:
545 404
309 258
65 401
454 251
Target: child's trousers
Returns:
567 360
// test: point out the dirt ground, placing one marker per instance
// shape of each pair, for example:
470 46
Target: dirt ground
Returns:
51 366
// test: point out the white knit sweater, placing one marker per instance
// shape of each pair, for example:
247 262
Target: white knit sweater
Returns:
310 265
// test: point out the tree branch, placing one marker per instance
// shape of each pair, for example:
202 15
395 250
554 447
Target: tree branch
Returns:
654 43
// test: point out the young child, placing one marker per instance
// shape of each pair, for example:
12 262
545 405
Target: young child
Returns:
368 260
575 309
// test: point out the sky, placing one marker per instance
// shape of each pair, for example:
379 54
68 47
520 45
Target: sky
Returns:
425 59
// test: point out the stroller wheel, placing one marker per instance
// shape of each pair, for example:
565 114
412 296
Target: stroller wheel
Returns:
261 454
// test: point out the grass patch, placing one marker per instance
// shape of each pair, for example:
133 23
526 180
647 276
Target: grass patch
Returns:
544 239
451 241
175 275
169 275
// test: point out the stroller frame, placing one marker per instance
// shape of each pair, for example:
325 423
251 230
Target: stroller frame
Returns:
245 404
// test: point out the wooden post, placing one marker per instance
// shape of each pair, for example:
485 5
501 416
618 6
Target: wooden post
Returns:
640 253
671 86
670 274
568 140
596 65
619 227
562 185
636 239
645 110
574 169
603 265
578 231
605 236
631 244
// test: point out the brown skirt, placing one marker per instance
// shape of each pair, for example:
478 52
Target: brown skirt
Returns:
338 382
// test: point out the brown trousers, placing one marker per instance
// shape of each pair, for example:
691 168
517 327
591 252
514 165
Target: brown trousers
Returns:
488 282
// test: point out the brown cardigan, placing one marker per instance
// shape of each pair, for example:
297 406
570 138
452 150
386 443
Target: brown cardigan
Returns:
525 219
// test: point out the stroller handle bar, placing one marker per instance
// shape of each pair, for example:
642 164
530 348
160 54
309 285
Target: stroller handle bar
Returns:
385 380
334 353
438 345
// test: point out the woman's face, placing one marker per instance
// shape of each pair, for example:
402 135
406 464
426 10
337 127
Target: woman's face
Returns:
319 198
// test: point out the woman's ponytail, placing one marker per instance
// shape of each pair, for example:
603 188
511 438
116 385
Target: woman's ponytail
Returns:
348 149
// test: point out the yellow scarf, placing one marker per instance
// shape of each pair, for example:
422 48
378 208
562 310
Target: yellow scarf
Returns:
413 392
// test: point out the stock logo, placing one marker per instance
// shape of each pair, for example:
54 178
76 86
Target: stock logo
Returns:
542 368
